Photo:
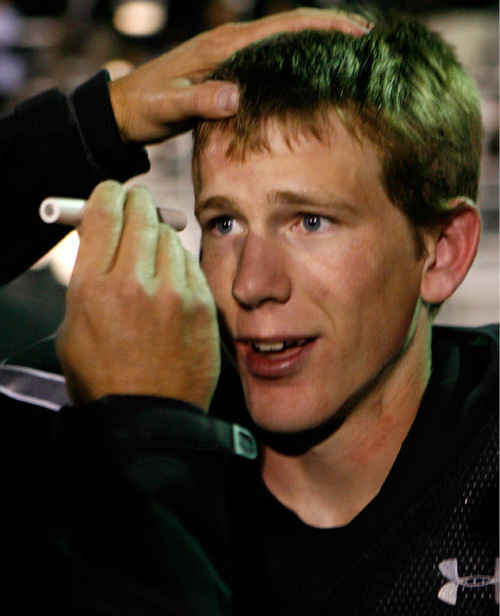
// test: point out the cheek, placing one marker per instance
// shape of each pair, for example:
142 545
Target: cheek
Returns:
353 283
340 274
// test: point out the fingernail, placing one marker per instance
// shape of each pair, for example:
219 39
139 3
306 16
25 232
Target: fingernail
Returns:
366 26
369 26
358 20
228 98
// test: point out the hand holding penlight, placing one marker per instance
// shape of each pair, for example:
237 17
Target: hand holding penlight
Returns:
66 211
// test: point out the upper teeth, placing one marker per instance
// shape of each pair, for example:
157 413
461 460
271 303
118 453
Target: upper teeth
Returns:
267 347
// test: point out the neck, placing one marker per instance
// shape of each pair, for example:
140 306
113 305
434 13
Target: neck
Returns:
330 483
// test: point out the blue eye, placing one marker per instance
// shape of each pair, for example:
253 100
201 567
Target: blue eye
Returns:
312 222
223 225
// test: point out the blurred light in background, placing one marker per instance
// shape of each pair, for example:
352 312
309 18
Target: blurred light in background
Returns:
12 66
140 18
12 73
11 25
61 259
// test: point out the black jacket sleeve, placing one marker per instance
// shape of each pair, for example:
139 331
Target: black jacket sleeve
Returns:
56 145
137 517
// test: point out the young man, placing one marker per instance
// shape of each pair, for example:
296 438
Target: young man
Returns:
337 215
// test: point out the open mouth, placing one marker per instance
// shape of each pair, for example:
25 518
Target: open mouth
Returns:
278 346
271 359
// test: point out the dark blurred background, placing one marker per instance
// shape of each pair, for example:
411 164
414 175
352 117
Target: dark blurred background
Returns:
60 43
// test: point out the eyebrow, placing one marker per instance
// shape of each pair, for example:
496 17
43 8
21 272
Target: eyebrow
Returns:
286 197
283 198
216 203
294 199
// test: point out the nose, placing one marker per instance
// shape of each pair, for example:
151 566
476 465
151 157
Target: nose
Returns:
262 273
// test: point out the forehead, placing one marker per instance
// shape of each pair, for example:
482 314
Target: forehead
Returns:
332 154
240 137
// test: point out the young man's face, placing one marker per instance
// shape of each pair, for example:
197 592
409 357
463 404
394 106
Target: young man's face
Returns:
313 269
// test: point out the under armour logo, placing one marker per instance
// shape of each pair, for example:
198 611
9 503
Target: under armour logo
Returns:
449 569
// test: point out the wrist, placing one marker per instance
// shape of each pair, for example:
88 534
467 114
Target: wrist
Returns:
102 136
117 100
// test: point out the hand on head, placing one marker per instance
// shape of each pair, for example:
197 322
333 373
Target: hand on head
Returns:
163 97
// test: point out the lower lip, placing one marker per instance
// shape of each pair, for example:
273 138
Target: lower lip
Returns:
274 365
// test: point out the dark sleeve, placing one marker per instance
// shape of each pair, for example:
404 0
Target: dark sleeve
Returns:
138 515
56 145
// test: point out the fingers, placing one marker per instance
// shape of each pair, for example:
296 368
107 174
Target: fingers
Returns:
308 18
100 230
121 234
205 52
196 279
145 302
163 97
136 253
209 100
170 262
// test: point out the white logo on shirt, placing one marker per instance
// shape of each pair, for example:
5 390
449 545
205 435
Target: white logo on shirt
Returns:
449 570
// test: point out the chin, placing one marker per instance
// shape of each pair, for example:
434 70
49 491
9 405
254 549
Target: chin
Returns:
293 435
289 420
280 426
284 424
280 416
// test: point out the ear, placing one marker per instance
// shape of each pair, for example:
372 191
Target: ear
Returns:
451 252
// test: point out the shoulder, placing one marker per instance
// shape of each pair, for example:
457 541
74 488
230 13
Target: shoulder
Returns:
477 347
475 336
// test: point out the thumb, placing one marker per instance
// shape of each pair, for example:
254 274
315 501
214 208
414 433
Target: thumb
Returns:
210 100
150 118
